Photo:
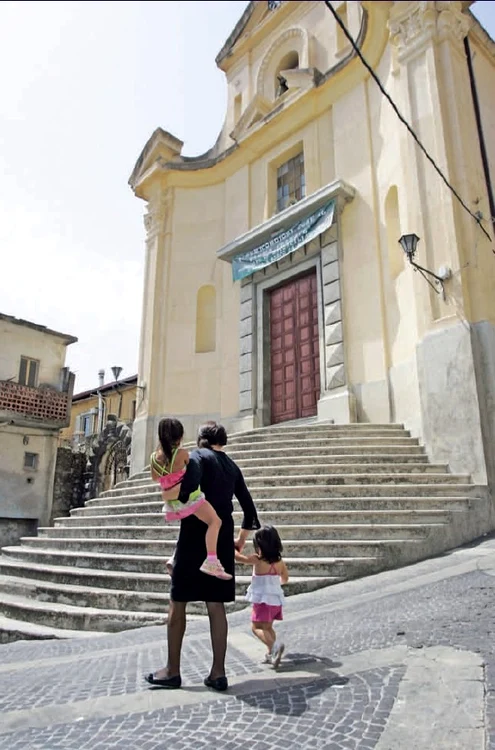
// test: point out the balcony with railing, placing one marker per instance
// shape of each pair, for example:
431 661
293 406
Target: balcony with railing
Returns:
44 406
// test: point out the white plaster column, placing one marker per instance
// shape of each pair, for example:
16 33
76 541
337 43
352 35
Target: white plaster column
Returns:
428 39
152 349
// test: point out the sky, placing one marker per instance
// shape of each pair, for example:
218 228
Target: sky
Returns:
83 86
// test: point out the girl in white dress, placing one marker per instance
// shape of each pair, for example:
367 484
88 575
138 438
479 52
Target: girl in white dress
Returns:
265 591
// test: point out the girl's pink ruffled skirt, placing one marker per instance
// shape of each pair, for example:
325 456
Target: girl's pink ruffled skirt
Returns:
187 510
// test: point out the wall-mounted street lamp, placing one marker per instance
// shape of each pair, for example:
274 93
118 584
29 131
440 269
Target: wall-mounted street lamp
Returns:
409 243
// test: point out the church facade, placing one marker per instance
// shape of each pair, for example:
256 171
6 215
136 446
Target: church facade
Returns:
275 285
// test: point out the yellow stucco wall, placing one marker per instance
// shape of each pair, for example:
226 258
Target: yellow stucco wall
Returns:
348 132
111 402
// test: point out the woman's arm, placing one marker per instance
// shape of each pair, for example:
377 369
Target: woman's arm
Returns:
250 521
192 477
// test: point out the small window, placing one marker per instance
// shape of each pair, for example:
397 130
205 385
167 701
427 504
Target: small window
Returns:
31 461
28 372
87 424
133 411
291 182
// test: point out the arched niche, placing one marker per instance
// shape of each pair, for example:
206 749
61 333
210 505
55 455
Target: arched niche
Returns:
291 46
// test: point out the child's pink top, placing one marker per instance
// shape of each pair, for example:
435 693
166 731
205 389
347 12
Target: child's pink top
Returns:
167 481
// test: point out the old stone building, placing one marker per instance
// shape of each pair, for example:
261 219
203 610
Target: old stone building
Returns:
275 284
35 397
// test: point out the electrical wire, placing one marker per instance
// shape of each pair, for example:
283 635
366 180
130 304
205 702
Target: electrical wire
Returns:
401 116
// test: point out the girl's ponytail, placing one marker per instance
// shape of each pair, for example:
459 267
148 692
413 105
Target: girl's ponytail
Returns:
170 433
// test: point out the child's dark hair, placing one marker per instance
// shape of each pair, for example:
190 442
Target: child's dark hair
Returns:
170 433
268 544
211 433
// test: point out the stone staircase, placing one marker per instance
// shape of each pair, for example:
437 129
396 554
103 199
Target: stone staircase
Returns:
347 501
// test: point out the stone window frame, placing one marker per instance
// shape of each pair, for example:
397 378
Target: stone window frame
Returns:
336 400
323 255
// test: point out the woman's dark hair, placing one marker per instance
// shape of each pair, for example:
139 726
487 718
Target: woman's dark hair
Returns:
170 433
211 433
268 544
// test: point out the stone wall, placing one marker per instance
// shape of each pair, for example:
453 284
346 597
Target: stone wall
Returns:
68 487
12 529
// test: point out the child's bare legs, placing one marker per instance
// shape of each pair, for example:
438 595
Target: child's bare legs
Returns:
207 514
212 565
265 633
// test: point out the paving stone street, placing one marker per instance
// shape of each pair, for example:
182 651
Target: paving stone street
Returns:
403 659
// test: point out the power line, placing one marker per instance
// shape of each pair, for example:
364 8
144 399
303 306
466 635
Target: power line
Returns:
401 116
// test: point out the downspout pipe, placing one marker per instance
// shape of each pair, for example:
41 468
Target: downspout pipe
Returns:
101 405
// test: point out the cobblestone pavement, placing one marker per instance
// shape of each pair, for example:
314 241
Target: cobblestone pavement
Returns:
403 660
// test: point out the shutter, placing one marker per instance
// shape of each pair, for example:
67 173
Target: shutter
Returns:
33 373
23 371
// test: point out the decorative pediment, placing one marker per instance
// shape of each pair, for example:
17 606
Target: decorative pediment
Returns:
254 113
256 13
162 147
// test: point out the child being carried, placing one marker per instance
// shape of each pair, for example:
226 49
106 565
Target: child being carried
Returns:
168 466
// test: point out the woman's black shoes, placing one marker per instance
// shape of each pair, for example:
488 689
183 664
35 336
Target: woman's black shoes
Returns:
171 683
219 683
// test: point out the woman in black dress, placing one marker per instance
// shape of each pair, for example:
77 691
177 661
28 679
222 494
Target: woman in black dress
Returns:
220 479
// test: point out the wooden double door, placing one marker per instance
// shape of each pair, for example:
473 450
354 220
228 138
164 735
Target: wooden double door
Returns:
294 349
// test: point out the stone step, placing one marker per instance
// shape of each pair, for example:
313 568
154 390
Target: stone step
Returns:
340 478
294 469
279 495
342 512
299 566
303 435
311 442
164 548
313 465
347 484
415 459
55 615
332 501
362 490
131 600
345 454
266 459
356 427
12 630
328 450
310 530
335 454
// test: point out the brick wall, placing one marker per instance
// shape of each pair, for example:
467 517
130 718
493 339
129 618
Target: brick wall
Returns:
43 404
